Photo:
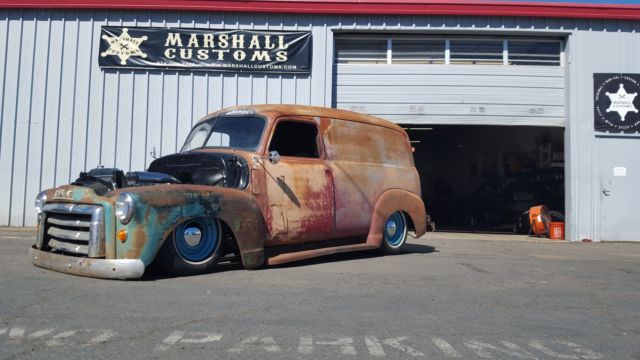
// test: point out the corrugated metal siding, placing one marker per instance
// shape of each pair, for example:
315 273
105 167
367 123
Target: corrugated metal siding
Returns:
598 49
62 114
454 94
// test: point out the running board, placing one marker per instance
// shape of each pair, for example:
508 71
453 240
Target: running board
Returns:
308 254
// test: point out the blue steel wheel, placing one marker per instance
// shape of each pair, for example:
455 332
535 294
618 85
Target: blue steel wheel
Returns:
194 247
394 232
197 240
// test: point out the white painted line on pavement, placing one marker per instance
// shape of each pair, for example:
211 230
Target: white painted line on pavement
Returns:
195 337
56 340
374 346
345 344
103 336
205 337
170 341
266 343
446 348
16 334
396 343
586 353
545 350
316 345
485 350
40 333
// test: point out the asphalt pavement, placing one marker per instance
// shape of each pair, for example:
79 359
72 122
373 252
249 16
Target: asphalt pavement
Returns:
448 296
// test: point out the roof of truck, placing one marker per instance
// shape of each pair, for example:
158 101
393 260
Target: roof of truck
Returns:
303 110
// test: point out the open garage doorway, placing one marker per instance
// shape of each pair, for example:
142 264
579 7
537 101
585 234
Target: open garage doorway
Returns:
482 178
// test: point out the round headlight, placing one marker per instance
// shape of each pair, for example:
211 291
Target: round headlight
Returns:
40 200
124 207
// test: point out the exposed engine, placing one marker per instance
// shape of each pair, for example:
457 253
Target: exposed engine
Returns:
212 169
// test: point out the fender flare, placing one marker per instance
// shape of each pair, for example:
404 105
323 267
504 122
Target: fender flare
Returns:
393 200
161 208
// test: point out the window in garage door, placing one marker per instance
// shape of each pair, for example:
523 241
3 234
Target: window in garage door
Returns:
404 49
362 51
476 51
418 51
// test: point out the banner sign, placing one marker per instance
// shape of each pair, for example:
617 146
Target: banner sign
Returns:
206 49
616 103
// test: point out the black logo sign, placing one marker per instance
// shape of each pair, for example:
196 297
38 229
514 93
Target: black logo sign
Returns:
616 103
206 49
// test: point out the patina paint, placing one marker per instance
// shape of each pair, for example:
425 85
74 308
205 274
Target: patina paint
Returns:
301 196
396 200
158 209
83 195
364 174
364 156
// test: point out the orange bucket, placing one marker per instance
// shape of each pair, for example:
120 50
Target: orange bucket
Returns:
539 219
556 230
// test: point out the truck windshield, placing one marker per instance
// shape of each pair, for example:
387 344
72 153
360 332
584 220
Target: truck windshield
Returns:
237 132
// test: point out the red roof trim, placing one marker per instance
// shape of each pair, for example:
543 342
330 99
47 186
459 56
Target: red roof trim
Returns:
354 7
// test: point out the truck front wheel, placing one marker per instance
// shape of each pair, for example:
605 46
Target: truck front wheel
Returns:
193 248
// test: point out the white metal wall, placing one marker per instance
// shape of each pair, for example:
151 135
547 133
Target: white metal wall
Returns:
603 47
454 94
62 114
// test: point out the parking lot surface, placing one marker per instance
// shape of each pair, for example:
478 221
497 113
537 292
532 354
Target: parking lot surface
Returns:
449 296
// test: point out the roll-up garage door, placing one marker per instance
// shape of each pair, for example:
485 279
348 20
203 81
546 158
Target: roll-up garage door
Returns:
451 80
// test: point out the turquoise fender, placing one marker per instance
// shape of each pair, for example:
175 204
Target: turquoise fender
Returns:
159 209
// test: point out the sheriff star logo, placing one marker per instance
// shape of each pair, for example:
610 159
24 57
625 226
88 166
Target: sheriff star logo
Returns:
622 102
124 46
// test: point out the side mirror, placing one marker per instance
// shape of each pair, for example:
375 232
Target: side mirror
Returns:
274 157
153 153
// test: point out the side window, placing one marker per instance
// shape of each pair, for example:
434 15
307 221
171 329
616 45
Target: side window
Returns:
292 138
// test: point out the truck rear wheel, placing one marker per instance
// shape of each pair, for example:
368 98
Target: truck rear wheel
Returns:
394 234
193 248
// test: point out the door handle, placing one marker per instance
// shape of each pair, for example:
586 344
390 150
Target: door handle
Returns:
606 192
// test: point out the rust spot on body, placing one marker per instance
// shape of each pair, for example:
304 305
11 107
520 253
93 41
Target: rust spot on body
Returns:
364 172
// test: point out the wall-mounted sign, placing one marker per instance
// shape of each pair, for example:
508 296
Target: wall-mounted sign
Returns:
616 103
205 49
619 171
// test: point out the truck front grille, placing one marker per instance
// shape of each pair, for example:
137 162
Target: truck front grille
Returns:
72 229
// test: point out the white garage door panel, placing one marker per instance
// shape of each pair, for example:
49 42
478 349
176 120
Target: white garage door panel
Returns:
407 79
448 95
474 120
469 113
455 69
426 108
454 94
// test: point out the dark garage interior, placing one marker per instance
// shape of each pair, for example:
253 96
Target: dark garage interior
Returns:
482 178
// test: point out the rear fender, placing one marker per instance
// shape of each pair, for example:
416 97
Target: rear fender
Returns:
159 209
396 200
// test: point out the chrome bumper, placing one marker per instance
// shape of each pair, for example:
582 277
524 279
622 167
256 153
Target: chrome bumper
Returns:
98 268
